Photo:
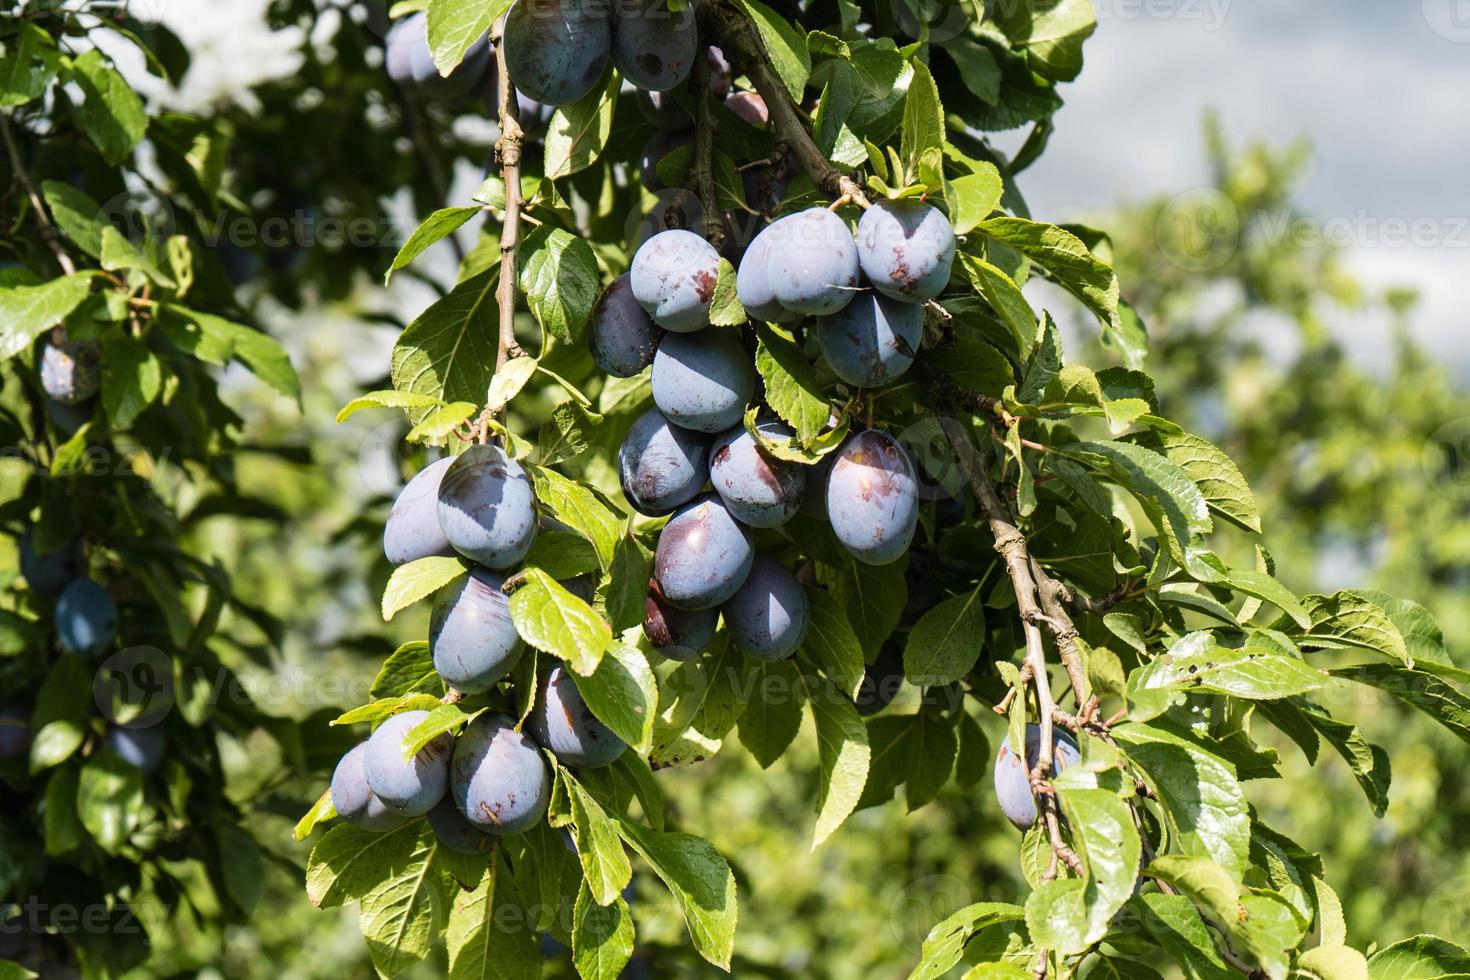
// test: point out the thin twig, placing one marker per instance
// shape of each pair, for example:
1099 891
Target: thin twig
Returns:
704 178
508 152
48 230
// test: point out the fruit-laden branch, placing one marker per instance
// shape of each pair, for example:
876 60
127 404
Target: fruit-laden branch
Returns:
704 178
508 152
48 231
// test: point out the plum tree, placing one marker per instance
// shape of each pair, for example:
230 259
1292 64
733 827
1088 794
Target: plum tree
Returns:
654 47
678 634
410 63
703 555
71 371
487 508
872 497
498 778
703 381
455 832
471 635
754 286
872 341
47 574
622 336
673 277
141 748
353 798
906 249
86 618
661 465
412 530
759 490
812 262
15 731
769 614
409 786
561 721
557 50
1012 775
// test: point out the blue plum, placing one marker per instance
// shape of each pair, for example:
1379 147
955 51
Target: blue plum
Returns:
621 334
872 341
455 832
471 635
557 50
1012 775
354 800
71 371
487 508
673 278
812 262
412 530
814 499
703 555
498 778
768 616
407 786
873 498
759 489
86 618
562 722
678 634
141 748
661 465
750 107
410 63
47 574
703 381
754 286
653 46
15 732
906 249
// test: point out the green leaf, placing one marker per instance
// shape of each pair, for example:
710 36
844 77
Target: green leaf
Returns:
1217 476
562 554
408 670
1368 762
436 227
791 384
111 112
923 120
1062 254
1045 344
30 63
945 945
945 643
488 936
348 862
119 254
561 281
785 47
406 911
972 198
552 619
445 719
604 861
386 399
435 427
448 353
60 717
772 716
10 970
578 132
623 694
321 811
1333 963
418 580
700 881
1197 663
583 511
602 937
831 645
1267 589
1174 922
1430 694
132 380
453 26
1419 958
724 308
110 800
1050 32
77 214
258 351
1347 619
1109 847
873 596
1005 297
930 756
242 864
843 752
508 382
26 312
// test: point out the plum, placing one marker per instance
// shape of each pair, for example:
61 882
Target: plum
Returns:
653 46
759 490
750 107
86 618
1012 776
769 614
678 634
562 722
47 574
15 732
412 530
557 50
487 508
354 800
408 786
410 62
621 334
754 286
455 832
703 555
141 748
872 341
812 262
471 635
703 381
673 278
814 498
71 371
906 249
498 778
661 465
872 498
720 75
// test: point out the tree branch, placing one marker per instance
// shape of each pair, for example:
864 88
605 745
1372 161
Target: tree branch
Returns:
704 179
48 230
508 152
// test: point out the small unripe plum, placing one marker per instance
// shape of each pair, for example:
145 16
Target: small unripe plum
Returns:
754 285
768 616
71 371
407 786
703 555
622 335
673 278
47 574
557 50
906 249
1012 775
562 722
872 341
498 778
813 262
455 832
471 634
703 381
872 498
412 530
653 46
487 508
678 634
354 800
750 107
141 748
661 465
86 618
760 490
410 62
15 732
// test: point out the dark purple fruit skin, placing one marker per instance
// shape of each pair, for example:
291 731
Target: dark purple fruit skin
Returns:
86 618
498 778
703 381
814 500
622 336
872 498
412 530
1012 776
678 634
750 107
487 508
813 263
410 787
455 832
754 285
703 555
652 46
48 574
562 722
873 341
769 615
71 371
759 490
471 634
141 748
557 50
661 465
15 732
906 249
673 277
353 799
410 63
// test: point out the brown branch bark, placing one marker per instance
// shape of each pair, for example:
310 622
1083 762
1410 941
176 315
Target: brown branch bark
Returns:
704 178
43 220
508 152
